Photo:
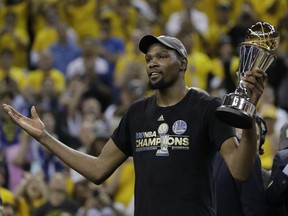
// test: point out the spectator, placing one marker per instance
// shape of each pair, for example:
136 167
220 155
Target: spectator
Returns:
187 18
283 53
124 18
271 145
150 18
110 48
64 50
240 198
12 78
70 118
199 64
39 161
130 92
44 70
47 35
120 186
268 97
77 109
9 134
18 161
58 200
93 70
97 203
15 38
81 15
8 210
32 190
278 71
48 97
219 26
8 198
131 64
271 11
276 193
20 8
224 67
246 18
101 137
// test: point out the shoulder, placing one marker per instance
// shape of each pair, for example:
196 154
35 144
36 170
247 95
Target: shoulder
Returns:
141 107
142 103
203 97
282 155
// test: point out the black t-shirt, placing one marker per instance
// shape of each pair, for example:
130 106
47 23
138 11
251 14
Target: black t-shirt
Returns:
239 198
176 179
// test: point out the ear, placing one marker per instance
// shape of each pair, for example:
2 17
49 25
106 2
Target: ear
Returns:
183 63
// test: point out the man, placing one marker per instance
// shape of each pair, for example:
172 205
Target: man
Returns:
277 191
58 200
173 137
241 198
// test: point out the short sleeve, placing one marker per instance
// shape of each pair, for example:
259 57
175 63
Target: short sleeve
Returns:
121 135
219 131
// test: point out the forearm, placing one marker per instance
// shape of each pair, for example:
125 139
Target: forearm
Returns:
81 162
96 169
246 153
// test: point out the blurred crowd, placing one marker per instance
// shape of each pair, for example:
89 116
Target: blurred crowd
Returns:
78 62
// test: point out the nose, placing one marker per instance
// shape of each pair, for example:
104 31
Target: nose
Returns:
152 63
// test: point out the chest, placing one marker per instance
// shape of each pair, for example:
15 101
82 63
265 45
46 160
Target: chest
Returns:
169 132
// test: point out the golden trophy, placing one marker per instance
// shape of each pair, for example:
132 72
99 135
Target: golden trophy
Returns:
257 51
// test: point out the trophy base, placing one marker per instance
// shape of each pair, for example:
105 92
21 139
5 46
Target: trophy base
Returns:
161 152
234 117
236 111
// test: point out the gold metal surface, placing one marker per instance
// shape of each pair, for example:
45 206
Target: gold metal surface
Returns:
264 35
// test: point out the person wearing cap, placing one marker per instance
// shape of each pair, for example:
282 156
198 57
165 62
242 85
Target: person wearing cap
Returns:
172 135
277 191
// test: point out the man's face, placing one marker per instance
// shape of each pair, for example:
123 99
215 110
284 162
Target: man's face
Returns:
163 66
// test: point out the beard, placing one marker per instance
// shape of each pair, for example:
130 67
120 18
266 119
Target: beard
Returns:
161 84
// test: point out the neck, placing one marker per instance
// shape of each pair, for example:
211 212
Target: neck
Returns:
171 96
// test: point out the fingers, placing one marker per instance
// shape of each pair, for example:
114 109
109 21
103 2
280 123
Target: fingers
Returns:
7 108
11 111
255 79
258 74
252 83
34 112
13 114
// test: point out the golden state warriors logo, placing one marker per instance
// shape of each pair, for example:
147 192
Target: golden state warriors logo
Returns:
179 127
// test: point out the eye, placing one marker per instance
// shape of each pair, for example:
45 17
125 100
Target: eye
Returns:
147 58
